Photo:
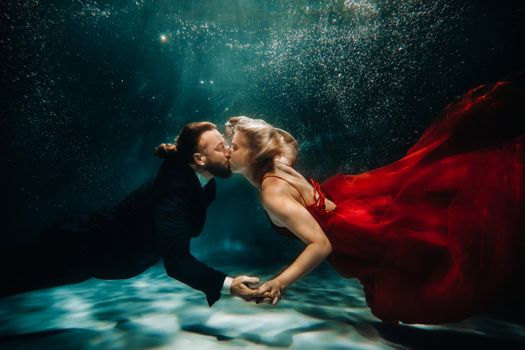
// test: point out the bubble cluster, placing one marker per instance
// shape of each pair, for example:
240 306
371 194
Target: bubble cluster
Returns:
95 85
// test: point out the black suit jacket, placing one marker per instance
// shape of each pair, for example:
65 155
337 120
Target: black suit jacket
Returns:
159 219
179 214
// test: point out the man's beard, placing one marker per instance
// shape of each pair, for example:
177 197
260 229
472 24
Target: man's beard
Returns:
218 169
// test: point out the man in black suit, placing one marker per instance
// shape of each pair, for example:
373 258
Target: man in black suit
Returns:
159 219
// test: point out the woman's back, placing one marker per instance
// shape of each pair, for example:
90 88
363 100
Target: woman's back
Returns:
291 181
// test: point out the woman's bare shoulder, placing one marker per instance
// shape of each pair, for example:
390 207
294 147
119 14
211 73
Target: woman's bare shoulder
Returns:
273 186
275 191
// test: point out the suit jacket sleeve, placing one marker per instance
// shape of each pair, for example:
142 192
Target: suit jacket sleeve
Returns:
174 230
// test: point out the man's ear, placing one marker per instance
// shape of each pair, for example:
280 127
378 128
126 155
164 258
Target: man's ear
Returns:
199 159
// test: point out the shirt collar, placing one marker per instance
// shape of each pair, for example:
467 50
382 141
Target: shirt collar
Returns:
203 180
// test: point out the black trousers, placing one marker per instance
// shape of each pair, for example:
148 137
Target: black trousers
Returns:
73 250
57 257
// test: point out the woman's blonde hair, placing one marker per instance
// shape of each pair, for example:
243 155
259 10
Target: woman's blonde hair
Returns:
265 142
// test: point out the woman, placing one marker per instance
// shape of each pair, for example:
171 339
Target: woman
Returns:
434 237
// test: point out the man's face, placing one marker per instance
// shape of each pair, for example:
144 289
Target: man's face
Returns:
211 145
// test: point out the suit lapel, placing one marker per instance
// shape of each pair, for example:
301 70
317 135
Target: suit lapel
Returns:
175 176
208 192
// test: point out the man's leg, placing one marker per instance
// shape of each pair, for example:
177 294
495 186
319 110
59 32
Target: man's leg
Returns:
55 259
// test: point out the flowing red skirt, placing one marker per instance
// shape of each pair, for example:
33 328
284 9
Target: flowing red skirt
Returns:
439 235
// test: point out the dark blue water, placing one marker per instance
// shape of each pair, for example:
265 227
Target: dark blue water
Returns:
89 88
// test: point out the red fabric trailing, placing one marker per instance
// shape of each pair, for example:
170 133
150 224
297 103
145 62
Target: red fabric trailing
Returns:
437 235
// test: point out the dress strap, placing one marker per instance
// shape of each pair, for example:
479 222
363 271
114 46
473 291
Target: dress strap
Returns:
291 184
319 196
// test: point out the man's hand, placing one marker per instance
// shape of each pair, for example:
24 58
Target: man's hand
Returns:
242 287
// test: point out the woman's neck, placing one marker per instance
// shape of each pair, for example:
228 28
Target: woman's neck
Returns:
282 162
249 177
281 165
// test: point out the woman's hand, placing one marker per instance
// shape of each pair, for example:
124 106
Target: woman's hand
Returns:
270 292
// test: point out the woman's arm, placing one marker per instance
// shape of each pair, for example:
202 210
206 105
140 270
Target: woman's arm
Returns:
285 209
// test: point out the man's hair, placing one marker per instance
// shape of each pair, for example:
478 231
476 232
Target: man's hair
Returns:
187 141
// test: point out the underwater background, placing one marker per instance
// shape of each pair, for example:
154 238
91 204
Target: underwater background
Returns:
89 88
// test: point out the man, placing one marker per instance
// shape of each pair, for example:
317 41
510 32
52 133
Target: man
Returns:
159 219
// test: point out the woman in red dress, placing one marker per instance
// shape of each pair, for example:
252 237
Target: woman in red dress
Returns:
433 237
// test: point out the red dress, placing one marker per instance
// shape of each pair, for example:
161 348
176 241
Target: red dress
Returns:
437 235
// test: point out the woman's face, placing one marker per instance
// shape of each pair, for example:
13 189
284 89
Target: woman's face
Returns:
239 153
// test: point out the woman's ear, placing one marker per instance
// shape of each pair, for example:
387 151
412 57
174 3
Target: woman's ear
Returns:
199 159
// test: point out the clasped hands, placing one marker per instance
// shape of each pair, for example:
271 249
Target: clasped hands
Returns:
248 288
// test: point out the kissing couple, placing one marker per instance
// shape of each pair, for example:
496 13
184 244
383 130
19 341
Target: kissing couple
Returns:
436 236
